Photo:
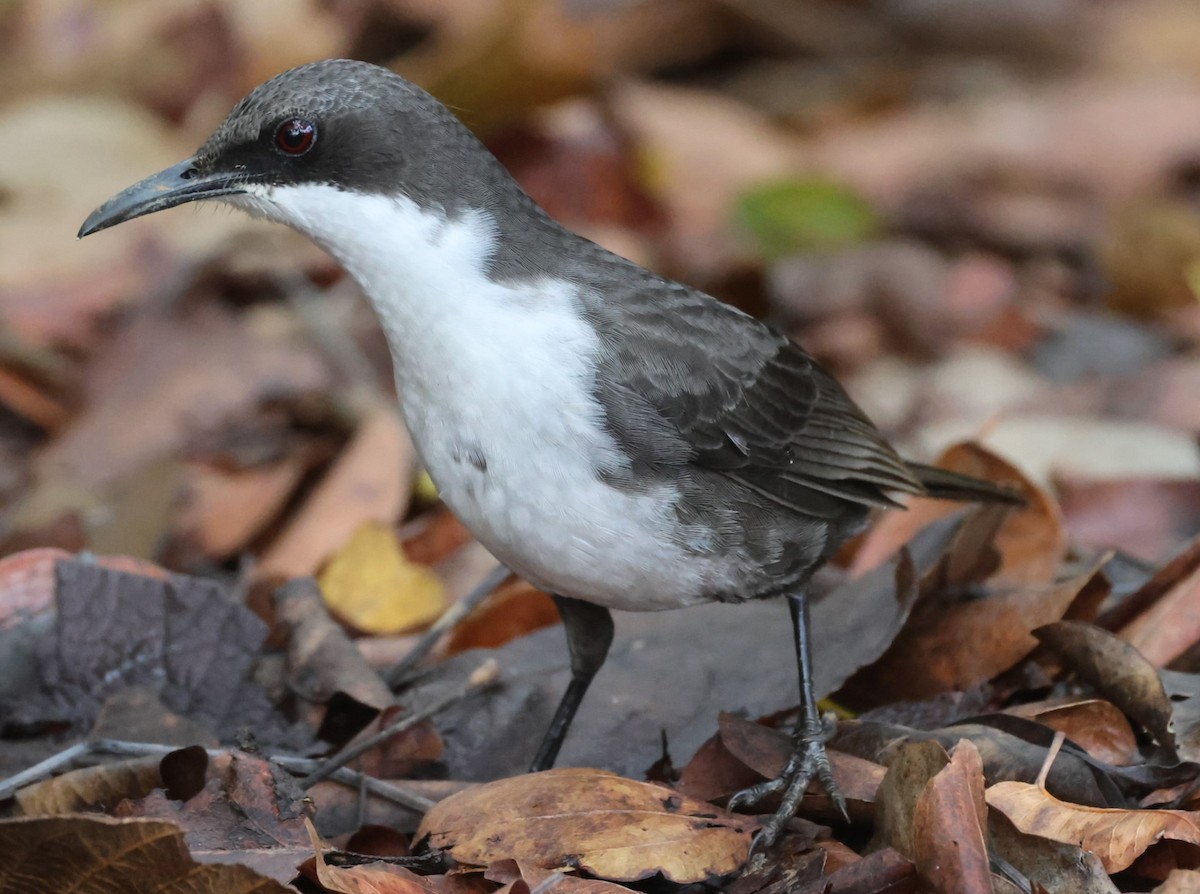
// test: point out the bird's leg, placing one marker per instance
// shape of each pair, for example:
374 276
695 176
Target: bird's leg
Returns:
808 758
589 634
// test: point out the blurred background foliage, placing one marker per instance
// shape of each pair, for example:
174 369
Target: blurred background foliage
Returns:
983 216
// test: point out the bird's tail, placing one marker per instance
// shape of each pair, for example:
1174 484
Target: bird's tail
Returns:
947 485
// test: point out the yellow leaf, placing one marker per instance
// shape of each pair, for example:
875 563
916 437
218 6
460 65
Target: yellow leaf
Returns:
370 584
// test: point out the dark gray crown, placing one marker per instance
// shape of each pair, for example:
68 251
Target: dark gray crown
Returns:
376 132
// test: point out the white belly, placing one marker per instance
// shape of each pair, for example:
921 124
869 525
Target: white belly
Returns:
496 381
517 449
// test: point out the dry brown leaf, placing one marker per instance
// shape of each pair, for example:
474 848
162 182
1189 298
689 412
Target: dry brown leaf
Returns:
1180 881
91 787
371 585
515 609
1096 726
1058 868
951 646
592 821
322 660
98 853
881 872
1117 670
369 878
235 807
1117 837
511 874
223 510
950 826
1171 625
371 481
908 774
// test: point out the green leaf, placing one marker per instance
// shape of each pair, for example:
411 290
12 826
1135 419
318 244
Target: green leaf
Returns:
805 215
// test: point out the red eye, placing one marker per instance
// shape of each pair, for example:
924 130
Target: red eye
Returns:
296 136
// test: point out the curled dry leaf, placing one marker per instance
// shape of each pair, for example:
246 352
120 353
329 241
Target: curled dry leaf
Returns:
590 820
1117 670
90 787
1117 837
1095 725
908 774
951 646
97 853
322 660
369 878
950 826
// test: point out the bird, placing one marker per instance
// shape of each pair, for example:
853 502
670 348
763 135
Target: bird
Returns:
620 440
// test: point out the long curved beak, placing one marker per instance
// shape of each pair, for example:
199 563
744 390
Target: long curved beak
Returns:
176 185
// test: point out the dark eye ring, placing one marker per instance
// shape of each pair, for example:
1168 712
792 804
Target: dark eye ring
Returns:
295 136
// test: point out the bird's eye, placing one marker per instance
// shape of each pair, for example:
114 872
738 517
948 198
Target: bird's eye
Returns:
295 136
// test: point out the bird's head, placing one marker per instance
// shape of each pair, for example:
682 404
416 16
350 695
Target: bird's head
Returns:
338 124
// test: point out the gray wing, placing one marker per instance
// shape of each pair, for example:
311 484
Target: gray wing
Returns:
688 379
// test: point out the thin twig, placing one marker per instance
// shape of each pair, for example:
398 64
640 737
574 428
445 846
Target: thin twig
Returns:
9 786
483 675
1059 738
298 765
400 672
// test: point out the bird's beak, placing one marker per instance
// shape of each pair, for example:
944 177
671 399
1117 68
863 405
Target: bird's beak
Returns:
176 185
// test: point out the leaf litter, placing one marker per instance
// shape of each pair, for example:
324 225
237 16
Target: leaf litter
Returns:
215 540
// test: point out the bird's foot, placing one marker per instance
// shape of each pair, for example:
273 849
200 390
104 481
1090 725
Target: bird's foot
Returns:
808 761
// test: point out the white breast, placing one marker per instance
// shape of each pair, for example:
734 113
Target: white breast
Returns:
495 382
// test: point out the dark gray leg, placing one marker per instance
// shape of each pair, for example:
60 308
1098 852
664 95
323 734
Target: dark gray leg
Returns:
808 758
589 634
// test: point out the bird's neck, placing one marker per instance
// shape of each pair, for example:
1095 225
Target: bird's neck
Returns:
433 277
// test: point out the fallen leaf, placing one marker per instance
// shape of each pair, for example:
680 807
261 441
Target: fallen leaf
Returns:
1171 625
909 772
950 826
371 481
182 636
371 585
590 820
950 646
245 811
1058 868
513 875
1117 837
323 661
1180 881
881 872
90 788
1117 670
1096 726
886 595
515 609
98 853
701 150
367 878
221 510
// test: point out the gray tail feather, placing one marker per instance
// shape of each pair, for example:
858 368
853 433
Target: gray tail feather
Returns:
946 485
